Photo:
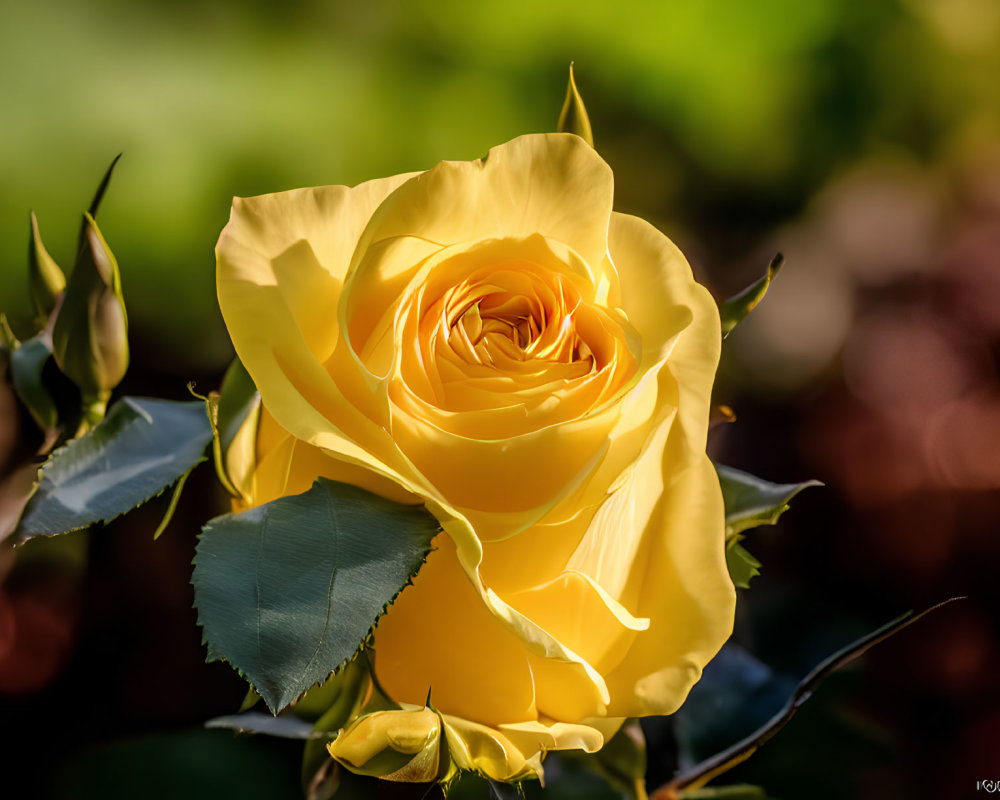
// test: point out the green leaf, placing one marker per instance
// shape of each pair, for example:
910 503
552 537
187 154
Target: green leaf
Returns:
693 779
286 726
621 762
139 449
573 117
750 502
27 363
287 592
736 308
741 563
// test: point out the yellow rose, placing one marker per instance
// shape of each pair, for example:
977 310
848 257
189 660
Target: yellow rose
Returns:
489 338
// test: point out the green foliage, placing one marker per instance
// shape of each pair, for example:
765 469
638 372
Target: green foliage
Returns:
331 704
139 449
741 563
573 117
750 502
27 365
735 309
620 765
691 780
287 592
284 726
622 761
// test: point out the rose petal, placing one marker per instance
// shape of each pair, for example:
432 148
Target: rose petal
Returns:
286 466
661 298
281 260
442 619
485 750
581 614
553 184
682 584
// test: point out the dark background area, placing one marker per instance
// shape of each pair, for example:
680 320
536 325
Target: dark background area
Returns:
862 140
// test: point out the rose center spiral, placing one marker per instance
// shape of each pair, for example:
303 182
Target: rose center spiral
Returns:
517 328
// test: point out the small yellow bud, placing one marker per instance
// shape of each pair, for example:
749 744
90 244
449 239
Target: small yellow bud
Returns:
399 745
45 279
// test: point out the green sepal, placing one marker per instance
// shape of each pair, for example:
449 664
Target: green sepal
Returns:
46 280
573 117
237 403
249 701
90 335
287 592
175 496
138 450
750 502
102 187
736 308
622 761
332 704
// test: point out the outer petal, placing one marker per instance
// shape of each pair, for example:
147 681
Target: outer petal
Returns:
582 615
441 619
479 748
281 262
685 590
301 241
286 466
676 574
513 752
655 276
552 184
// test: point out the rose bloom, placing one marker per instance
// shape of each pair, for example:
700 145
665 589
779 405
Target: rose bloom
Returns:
490 339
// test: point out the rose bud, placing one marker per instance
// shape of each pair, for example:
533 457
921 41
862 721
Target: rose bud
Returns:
45 279
90 336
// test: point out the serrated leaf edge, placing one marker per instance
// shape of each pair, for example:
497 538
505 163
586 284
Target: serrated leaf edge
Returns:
365 642
59 452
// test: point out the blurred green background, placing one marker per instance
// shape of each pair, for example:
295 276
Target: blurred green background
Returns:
861 139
